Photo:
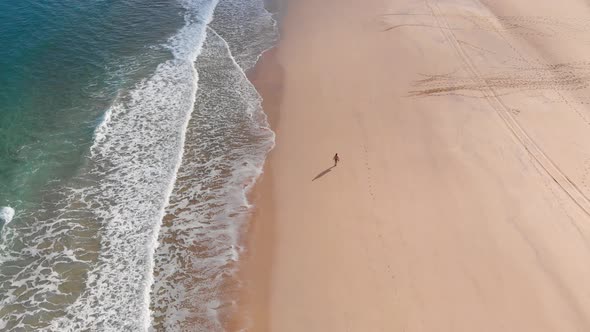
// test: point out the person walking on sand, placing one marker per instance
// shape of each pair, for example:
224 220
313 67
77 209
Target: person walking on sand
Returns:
336 160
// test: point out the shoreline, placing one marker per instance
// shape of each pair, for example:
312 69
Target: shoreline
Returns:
255 266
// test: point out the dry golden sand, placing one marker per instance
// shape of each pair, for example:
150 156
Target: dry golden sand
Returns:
461 200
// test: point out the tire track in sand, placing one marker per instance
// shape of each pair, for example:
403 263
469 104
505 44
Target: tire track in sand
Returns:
542 160
548 165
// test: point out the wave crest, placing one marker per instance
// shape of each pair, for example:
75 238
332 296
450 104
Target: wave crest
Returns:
6 214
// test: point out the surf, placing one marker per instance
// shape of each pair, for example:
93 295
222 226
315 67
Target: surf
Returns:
227 141
95 253
6 215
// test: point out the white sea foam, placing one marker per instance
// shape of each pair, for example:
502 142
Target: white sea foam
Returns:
6 214
227 141
137 152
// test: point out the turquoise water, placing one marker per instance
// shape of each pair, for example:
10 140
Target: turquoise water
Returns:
129 137
62 64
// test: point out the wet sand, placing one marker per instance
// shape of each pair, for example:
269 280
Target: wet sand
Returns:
461 201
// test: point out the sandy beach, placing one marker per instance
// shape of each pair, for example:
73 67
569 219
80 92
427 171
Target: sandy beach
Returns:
461 199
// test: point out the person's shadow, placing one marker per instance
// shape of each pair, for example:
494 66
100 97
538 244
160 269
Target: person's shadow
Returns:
324 172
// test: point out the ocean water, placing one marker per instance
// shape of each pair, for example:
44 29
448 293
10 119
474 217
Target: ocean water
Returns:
129 137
